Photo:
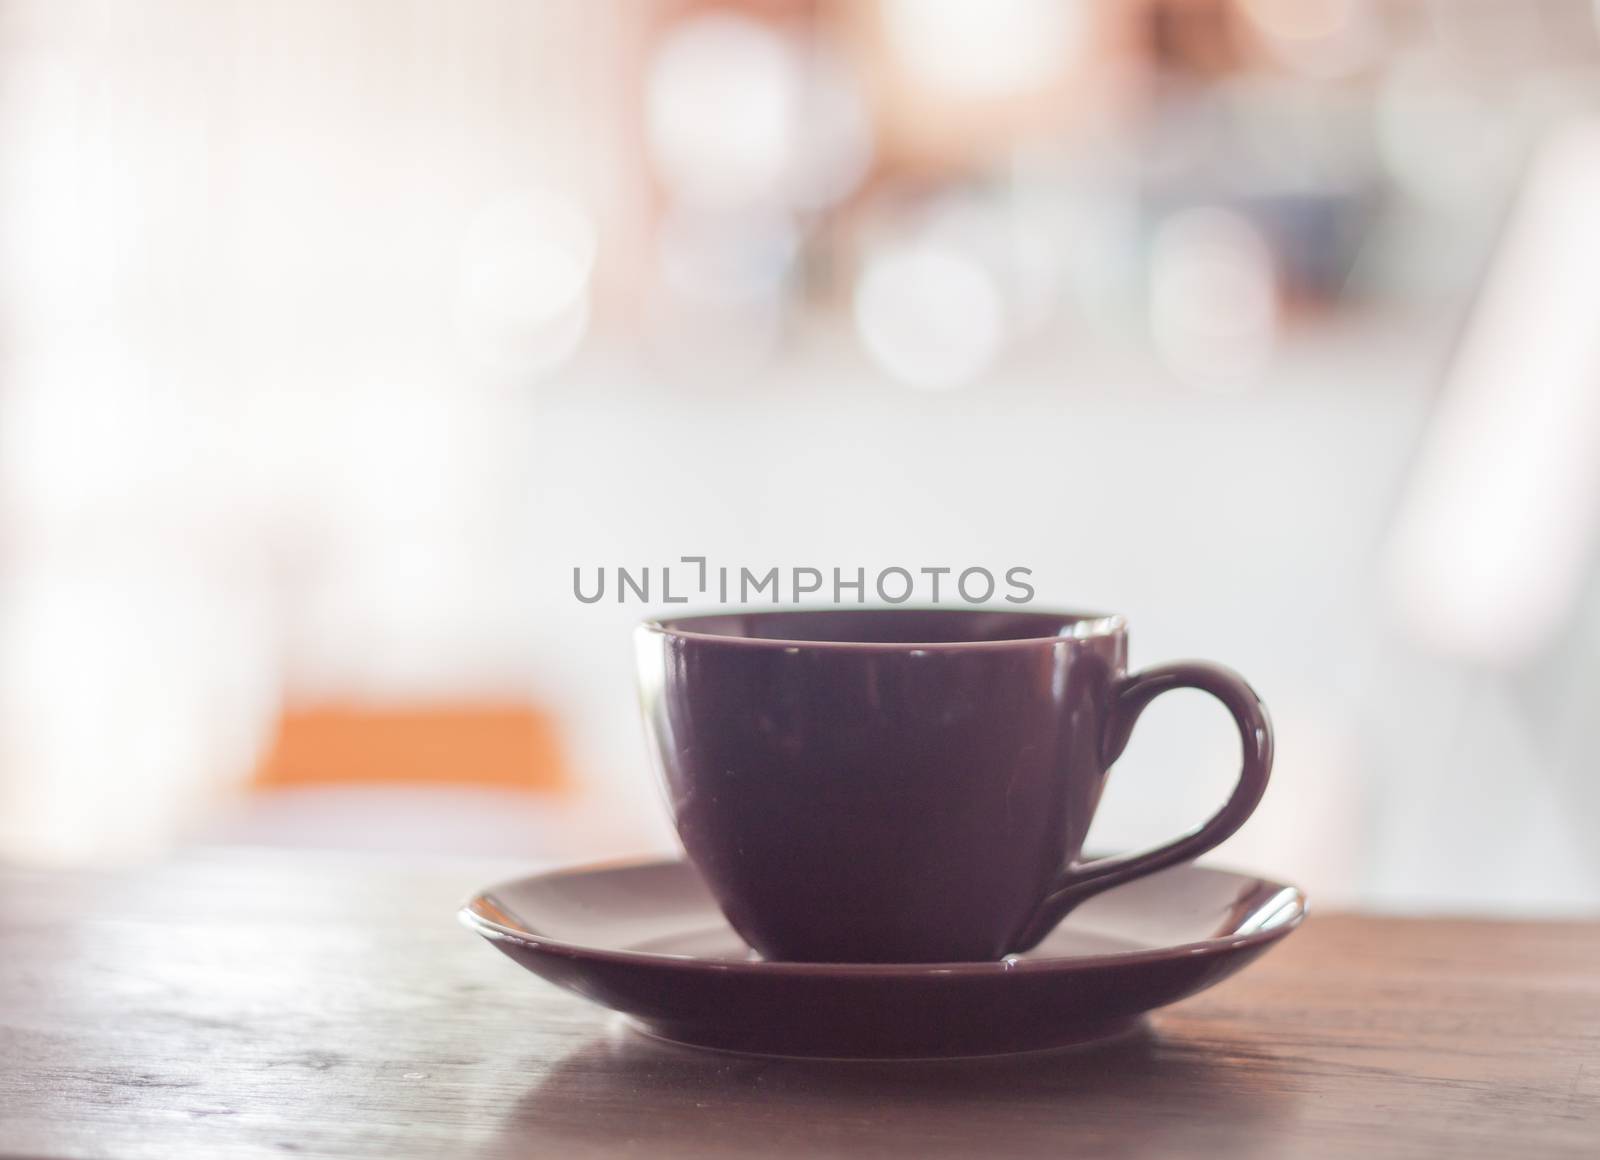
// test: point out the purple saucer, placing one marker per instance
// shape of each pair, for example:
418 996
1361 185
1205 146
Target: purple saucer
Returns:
647 940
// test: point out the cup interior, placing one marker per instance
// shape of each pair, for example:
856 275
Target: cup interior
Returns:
893 625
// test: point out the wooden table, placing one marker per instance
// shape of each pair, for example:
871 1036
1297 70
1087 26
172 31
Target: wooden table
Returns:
231 1005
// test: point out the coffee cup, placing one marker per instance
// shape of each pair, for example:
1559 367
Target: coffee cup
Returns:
909 785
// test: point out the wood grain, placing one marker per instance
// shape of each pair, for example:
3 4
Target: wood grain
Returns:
240 1005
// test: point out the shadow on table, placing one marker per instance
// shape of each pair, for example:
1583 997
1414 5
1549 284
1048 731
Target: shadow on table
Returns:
623 1093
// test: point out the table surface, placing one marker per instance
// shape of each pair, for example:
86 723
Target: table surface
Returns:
253 1004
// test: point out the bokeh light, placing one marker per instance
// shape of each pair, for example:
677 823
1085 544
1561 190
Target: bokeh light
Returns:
1440 136
1213 298
993 49
721 110
1318 38
522 303
722 284
834 143
931 316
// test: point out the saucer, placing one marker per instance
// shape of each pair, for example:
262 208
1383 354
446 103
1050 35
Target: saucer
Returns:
647 940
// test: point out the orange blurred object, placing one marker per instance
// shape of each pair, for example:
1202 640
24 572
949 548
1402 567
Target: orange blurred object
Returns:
507 746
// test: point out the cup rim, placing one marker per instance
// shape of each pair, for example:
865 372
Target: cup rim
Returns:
1078 625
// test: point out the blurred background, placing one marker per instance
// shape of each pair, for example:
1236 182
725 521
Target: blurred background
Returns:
335 335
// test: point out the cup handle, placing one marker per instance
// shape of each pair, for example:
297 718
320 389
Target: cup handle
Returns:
1133 693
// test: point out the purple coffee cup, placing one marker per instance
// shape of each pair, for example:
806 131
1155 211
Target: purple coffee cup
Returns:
909 785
